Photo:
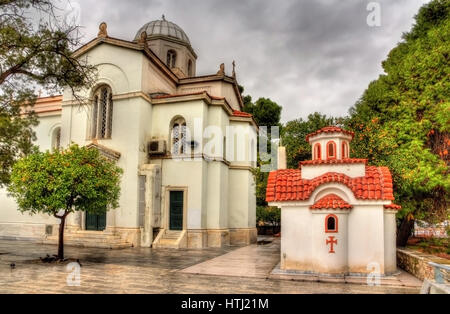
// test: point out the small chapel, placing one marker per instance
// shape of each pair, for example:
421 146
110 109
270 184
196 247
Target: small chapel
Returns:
174 192
337 212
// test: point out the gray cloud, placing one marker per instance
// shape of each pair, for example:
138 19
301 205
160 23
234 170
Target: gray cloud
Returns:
311 55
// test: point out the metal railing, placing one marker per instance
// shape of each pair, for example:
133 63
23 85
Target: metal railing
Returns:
441 273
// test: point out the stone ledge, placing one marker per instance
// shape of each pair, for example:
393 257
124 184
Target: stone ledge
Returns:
416 263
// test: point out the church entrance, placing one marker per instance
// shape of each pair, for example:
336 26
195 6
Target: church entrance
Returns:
95 222
176 210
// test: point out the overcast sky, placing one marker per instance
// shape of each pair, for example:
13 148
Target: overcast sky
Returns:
307 55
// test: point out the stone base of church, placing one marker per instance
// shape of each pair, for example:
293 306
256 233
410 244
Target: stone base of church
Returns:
202 238
347 277
243 236
24 231
130 235
297 267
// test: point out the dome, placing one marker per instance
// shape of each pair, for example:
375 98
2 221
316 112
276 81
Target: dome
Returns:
163 28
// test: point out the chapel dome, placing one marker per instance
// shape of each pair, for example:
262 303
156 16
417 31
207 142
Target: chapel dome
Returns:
163 28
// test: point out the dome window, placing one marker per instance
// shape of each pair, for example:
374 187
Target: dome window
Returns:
171 58
317 152
190 74
331 150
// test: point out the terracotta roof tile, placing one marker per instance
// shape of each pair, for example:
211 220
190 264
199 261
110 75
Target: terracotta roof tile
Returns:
375 185
329 129
238 113
331 201
393 206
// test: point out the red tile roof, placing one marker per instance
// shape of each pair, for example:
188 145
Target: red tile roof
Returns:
393 206
331 201
238 113
329 129
288 185
333 161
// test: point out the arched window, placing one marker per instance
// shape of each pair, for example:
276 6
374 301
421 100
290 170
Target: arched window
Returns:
102 111
344 150
171 58
190 68
56 138
331 150
178 136
331 223
317 152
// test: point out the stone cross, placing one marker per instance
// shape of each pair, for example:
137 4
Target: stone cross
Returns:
331 241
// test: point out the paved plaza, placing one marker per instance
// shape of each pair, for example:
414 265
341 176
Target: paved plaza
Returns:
144 270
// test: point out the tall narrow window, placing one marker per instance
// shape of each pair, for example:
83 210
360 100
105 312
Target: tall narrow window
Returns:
317 152
331 223
331 150
344 150
178 136
56 138
171 58
190 68
102 111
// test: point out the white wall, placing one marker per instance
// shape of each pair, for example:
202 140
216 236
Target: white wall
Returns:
12 222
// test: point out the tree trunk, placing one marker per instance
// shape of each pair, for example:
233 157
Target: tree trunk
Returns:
61 238
404 231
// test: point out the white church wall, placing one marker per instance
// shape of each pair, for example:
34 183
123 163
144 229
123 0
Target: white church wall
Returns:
12 222
352 170
153 81
326 260
217 195
366 238
296 238
390 245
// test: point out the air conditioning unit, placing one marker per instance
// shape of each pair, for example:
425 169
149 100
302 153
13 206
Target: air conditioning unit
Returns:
157 148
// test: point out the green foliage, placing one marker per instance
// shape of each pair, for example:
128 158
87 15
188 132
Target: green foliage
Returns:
268 215
34 54
16 133
293 136
265 111
75 179
403 119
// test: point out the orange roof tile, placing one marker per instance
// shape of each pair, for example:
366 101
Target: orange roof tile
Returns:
238 113
393 206
288 185
331 201
329 129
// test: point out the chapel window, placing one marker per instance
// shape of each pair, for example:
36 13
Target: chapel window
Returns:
56 138
331 150
344 150
178 136
331 223
317 152
171 58
102 111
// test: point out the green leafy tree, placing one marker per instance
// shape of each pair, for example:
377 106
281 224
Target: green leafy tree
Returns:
34 54
293 136
62 182
403 119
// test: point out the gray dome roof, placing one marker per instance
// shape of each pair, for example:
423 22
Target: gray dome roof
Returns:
163 28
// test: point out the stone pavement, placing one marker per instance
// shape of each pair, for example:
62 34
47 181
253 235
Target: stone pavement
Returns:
143 270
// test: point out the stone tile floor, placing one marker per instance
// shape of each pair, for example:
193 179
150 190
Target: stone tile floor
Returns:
143 270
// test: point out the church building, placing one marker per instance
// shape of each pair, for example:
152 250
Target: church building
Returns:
337 214
174 193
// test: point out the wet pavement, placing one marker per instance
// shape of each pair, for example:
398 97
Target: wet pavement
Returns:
144 270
